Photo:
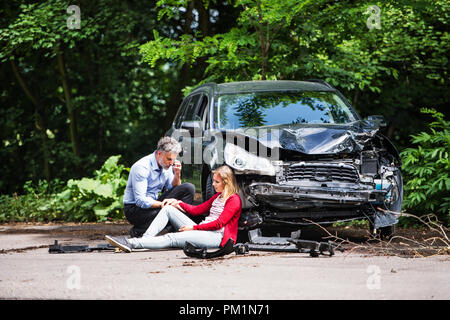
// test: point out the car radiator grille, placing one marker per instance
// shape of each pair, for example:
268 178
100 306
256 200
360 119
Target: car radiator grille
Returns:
322 172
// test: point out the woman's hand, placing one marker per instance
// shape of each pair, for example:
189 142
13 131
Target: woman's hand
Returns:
168 202
186 228
176 204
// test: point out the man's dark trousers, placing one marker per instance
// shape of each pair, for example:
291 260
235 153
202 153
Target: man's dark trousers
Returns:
142 218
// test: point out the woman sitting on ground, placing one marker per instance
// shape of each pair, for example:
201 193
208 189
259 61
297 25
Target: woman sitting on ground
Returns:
219 226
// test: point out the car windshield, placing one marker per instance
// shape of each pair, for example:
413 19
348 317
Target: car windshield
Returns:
243 110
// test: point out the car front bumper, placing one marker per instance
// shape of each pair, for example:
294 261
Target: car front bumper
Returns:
276 194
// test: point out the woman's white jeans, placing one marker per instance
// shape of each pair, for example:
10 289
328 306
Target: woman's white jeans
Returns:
200 238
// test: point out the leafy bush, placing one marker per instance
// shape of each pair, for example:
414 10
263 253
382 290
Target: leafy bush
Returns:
94 199
426 169
88 199
42 187
23 208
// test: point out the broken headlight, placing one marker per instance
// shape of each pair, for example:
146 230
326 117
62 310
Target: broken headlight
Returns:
242 160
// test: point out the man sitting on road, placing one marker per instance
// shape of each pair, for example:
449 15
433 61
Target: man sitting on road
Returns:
147 178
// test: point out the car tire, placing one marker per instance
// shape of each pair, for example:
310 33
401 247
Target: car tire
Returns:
388 232
397 206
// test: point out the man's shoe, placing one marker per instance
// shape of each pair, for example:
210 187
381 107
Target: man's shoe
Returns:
120 242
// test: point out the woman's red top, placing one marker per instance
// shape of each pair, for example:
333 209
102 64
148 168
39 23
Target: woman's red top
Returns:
228 219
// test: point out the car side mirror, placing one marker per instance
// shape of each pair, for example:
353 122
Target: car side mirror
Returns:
194 127
378 119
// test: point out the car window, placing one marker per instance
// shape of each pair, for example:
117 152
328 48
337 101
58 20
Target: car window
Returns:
191 109
203 111
180 113
281 107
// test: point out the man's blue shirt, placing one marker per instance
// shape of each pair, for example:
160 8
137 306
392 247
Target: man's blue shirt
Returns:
145 181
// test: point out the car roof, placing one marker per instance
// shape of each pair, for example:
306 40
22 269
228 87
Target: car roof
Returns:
268 85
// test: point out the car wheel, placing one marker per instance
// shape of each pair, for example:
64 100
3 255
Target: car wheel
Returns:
209 189
396 205
393 205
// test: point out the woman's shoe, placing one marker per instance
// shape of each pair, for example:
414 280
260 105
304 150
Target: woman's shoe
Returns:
121 242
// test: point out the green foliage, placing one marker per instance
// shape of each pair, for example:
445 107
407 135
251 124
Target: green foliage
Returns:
118 102
241 53
30 205
88 199
411 40
426 169
42 187
316 38
23 208
43 27
353 223
94 199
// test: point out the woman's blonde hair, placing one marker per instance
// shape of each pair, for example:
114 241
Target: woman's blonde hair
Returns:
229 180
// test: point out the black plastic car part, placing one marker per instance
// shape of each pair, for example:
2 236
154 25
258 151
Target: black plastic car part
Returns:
314 248
292 244
57 248
202 253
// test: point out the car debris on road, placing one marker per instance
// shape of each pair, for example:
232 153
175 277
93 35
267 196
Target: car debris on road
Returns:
257 243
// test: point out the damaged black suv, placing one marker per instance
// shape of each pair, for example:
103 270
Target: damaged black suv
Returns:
300 152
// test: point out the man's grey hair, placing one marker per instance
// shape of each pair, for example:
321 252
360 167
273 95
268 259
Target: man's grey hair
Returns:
168 144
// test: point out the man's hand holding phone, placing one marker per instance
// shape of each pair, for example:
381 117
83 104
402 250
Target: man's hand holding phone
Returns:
177 167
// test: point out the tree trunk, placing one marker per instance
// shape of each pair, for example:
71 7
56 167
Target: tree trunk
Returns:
391 129
262 43
355 98
71 113
87 54
203 25
263 68
203 17
40 120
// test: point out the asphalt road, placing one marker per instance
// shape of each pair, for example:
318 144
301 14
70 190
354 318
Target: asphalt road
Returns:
28 271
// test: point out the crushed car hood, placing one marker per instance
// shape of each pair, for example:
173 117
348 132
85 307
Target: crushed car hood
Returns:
316 138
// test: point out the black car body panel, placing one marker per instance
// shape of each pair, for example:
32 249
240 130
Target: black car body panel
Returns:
297 173
323 139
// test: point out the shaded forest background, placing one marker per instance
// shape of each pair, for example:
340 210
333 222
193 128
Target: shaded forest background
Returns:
71 98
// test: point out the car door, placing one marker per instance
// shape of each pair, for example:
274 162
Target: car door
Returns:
185 135
201 114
